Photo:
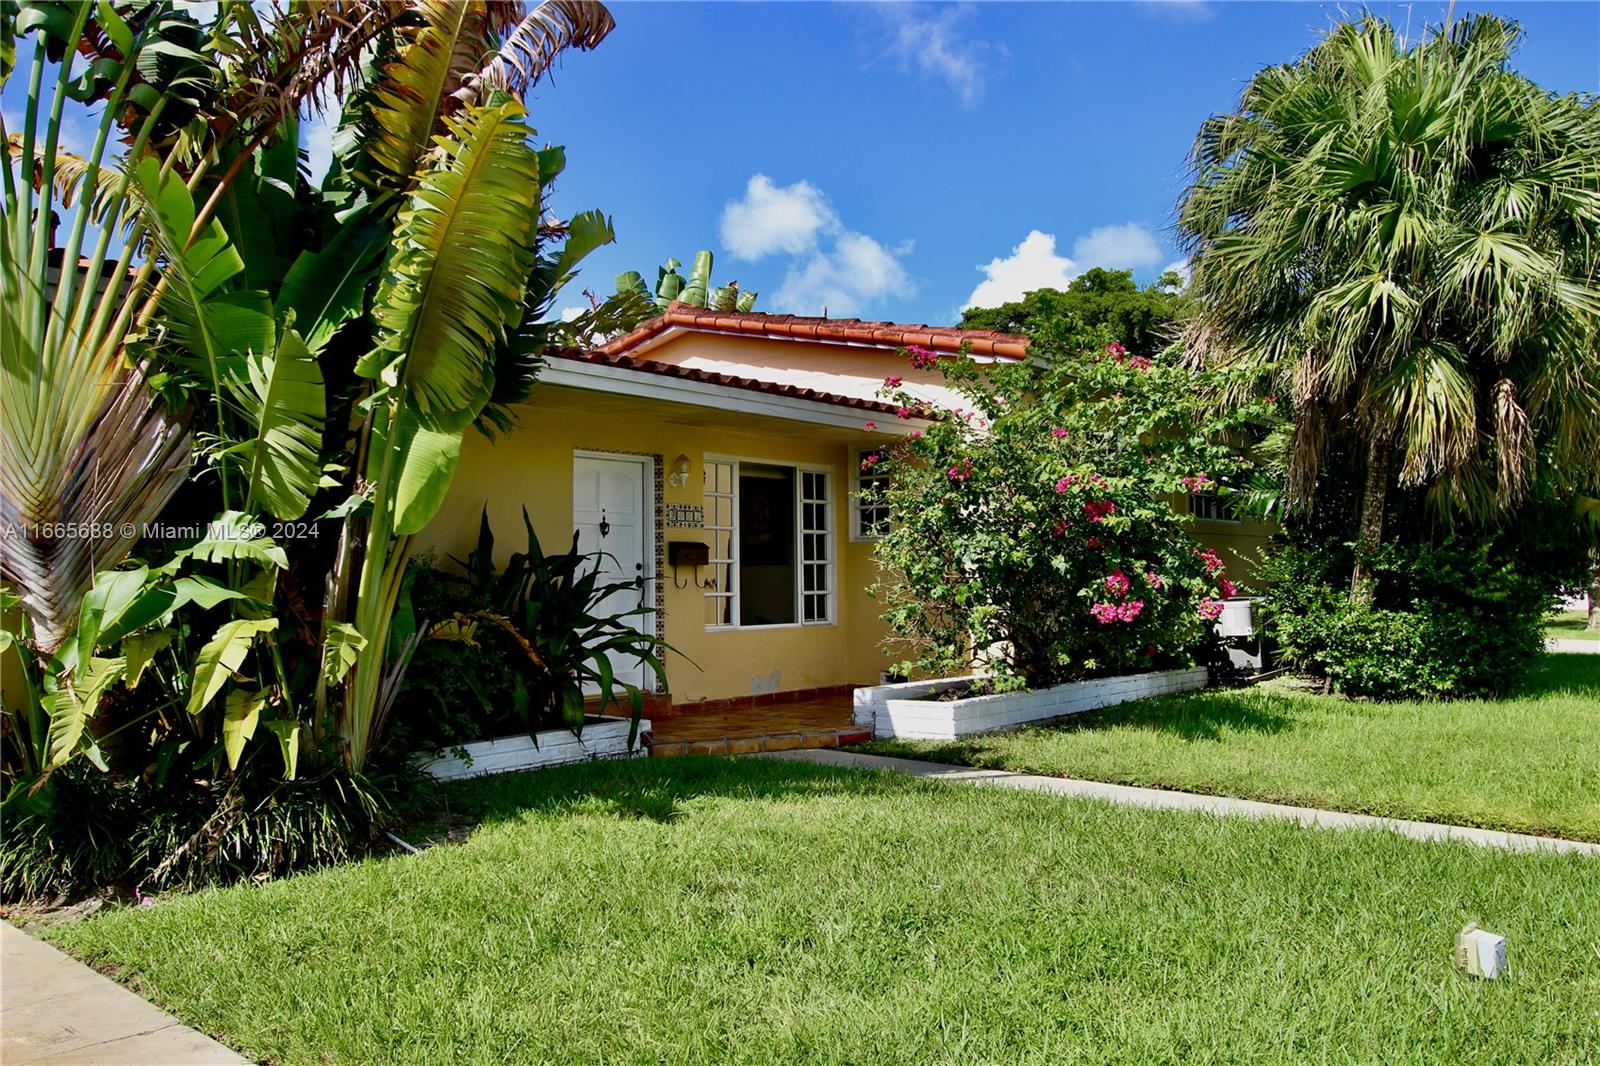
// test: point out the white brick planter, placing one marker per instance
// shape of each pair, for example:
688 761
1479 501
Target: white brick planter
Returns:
603 738
897 710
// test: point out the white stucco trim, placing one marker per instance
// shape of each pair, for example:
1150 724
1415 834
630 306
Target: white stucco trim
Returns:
598 377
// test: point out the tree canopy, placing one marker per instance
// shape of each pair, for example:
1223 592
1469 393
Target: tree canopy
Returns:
1401 239
1143 320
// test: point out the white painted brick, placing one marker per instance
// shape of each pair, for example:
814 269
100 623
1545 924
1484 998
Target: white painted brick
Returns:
606 738
897 712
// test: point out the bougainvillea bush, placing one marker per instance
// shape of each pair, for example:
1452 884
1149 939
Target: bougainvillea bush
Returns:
1034 533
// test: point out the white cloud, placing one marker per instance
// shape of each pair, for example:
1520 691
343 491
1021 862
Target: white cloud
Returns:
857 273
1033 264
570 313
1182 268
931 40
1124 247
773 218
830 265
1180 10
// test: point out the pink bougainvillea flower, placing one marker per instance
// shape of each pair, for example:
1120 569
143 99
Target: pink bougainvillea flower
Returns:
1210 609
961 471
1092 542
1059 528
916 434
1212 560
892 381
1106 613
921 358
1098 509
1228 588
870 426
1139 362
1154 579
1116 350
1058 432
904 412
1193 483
1117 583
1064 484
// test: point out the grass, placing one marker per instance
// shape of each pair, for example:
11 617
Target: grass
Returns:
1572 625
1528 764
707 910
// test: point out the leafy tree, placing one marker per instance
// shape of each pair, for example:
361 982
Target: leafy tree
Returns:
316 353
1401 242
1142 320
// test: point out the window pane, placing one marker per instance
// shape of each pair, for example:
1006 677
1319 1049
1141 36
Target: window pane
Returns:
766 545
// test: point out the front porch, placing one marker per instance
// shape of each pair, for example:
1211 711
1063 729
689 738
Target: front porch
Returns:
745 727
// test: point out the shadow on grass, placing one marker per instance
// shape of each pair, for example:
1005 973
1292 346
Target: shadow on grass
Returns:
1196 716
1564 673
653 789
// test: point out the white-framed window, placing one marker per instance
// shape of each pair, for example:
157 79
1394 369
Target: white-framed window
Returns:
771 552
1209 507
816 567
722 510
869 503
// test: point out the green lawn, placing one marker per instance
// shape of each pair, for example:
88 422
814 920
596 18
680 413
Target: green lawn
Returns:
1571 625
731 910
1530 764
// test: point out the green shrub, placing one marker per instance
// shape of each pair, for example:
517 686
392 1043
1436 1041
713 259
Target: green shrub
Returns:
85 830
1033 533
1458 618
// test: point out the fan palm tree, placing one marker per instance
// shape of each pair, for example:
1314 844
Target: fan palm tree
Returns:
1404 239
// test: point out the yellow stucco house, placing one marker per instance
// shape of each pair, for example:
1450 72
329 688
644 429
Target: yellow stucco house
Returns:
716 456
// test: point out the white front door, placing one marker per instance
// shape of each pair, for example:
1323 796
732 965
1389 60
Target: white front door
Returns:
613 510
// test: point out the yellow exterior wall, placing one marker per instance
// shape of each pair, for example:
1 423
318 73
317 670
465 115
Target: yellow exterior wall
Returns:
533 467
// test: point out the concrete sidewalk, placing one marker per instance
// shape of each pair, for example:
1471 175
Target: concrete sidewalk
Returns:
1164 799
54 1010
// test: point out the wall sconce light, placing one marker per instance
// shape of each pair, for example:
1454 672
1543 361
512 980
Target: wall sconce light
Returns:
680 472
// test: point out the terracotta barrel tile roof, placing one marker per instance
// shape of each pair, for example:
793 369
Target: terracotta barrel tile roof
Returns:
982 342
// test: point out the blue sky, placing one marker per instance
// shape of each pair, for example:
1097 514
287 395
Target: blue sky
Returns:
898 150
905 160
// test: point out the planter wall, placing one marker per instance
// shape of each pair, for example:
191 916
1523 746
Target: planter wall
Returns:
603 738
896 710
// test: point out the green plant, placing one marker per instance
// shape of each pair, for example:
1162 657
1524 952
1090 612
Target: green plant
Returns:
1462 616
1033 533
672 287
529 642
1141 320
1399 238
196 656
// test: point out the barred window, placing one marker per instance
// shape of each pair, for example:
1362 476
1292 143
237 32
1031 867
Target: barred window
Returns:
869 504
1209 507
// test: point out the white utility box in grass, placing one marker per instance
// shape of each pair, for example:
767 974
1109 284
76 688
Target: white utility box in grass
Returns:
602 738
1480 953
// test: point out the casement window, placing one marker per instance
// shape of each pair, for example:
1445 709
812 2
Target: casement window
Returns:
869 503
1209 507
771 553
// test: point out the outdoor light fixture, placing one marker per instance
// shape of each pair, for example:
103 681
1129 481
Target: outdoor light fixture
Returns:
680 472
